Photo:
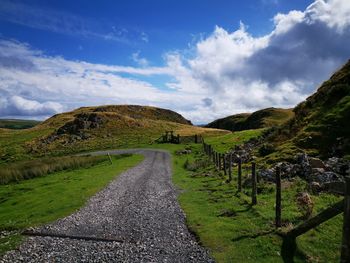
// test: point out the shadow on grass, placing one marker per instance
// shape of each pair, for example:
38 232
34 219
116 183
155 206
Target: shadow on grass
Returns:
290 250
253 236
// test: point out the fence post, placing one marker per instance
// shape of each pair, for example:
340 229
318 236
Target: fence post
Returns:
230 167
278 197
225 164
254 188
239 175
219 161
345 248
195 138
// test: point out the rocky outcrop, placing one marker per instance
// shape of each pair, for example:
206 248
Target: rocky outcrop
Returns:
313 170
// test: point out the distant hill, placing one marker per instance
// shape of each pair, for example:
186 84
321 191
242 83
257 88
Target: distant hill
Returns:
321 125
260 119
94 128
17 124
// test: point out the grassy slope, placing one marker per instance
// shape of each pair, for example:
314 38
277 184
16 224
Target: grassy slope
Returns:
122 127
225 142
17 124
260 119
320 122
42 200
248 234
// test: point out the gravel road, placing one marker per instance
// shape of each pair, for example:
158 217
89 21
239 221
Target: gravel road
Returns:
136 218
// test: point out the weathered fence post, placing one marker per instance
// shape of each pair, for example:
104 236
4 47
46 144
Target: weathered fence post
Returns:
278 197
239 175
254 187
224 164
219 161
230 167
345 248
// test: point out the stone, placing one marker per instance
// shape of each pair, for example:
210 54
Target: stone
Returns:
315 187
316 163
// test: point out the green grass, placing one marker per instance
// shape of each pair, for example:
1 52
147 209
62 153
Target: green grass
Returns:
23 170
234 231
17 124
226 142
42 200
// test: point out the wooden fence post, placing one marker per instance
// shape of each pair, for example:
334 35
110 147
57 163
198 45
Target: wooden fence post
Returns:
224 163
219 161
345 248
230 167
239 175
254 188
278 197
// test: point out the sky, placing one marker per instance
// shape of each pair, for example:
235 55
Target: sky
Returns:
205 59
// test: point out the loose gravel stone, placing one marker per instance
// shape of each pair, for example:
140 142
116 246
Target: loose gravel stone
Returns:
139 209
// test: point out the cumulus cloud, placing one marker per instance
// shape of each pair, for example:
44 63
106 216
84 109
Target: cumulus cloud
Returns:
223 73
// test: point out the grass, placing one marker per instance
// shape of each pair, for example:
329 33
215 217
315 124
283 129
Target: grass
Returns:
235 231
18 171
226 142
17 124
44 199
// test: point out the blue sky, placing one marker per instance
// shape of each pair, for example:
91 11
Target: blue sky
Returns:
205 59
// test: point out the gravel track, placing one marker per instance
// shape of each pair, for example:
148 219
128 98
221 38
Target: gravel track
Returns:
136 218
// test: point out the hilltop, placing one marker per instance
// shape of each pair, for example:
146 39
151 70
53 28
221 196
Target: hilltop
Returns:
321 125
93 128
264 118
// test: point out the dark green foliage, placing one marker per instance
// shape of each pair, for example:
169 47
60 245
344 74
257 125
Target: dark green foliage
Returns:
17 124
266 149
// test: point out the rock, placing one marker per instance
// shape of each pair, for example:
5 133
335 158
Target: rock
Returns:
305 204
267 174
316 163
315 187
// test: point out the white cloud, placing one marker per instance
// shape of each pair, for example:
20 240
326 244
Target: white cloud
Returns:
224 73
143 62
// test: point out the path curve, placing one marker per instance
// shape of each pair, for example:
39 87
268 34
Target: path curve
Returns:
136 218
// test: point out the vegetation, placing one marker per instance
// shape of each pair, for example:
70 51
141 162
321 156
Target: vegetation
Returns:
226 142
321 123
35 168
44 199
17 124
95 128
264 118
235 231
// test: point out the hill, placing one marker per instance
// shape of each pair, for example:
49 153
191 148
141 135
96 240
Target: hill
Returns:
17 124
94 128
260 119
321 123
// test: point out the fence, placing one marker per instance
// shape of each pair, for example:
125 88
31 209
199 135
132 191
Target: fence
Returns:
224 162
170 137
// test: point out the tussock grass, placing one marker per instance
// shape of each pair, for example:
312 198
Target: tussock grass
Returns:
36 168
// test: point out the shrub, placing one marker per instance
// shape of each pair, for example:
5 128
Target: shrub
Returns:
266 149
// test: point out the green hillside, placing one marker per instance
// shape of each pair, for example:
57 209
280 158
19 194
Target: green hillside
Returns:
264 118
95 128
17 124
321 123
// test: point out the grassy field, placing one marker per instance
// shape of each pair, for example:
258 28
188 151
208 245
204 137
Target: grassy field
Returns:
42 200
17 124
225 142
235 231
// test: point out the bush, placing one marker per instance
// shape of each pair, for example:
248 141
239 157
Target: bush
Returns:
266 149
